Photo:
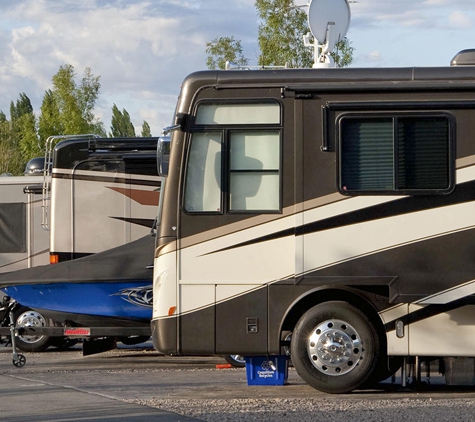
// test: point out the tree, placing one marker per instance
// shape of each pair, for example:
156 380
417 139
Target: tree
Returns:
21 107
280 34
121 125
70 108
282 27
22 140
343 53
29 144
224 49
50 122
146 132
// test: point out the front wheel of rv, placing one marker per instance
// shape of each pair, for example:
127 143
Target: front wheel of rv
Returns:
28 318
335 347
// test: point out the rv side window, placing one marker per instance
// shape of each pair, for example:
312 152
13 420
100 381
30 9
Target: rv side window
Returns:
13 227
395 154
238 114
111 166
254 171
237 165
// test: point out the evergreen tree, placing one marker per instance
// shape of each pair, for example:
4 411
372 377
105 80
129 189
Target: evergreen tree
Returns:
49 122
29 143
121 126
146 132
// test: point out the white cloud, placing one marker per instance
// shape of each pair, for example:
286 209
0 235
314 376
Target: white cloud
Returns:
460 20
134 46
142 49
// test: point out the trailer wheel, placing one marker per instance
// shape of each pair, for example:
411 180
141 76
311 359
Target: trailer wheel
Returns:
26 317
335 347
63 343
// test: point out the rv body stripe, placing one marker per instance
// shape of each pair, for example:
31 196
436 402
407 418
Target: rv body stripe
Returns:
137 221
450 295
429 311
143 197
392 208
130 180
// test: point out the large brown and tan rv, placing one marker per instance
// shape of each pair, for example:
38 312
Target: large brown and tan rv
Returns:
333 204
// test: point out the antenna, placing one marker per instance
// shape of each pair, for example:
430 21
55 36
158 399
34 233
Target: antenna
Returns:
328 21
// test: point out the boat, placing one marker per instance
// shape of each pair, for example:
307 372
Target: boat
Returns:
107 289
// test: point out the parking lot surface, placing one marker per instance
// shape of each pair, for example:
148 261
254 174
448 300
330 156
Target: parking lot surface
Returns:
130 384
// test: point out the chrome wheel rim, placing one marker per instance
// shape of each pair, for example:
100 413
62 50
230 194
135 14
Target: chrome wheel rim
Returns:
31 319
334 347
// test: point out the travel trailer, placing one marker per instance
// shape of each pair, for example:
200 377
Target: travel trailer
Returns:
98 194
333 204
23 243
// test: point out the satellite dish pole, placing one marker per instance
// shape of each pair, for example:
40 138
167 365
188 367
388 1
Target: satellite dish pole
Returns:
328 21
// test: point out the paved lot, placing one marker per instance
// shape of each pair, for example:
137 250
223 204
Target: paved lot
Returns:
138 384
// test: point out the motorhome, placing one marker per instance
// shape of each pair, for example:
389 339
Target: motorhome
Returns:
334 205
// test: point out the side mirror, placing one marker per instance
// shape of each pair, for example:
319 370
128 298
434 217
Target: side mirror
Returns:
163 155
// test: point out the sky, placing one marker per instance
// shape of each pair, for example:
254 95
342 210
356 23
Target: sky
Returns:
143 49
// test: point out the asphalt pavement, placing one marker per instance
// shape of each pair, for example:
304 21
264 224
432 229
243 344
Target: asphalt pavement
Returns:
137 383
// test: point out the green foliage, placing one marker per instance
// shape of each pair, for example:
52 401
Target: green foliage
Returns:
280 37
280 34
28 141
10 155
343 53
76 103
224 49
146 132
67 109
121 125
49 122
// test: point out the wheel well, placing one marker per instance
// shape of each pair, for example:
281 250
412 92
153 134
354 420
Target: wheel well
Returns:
320 296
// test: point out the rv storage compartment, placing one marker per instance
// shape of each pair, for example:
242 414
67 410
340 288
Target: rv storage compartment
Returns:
267 370
459 371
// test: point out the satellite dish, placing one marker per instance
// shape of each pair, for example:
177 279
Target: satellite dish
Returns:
329 21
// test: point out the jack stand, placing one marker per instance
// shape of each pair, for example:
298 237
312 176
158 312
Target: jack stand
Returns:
19 360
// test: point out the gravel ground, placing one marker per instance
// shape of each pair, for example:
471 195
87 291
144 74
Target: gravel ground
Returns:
328 410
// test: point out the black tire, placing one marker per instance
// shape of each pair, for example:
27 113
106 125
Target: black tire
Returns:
238 361
335 347
26 317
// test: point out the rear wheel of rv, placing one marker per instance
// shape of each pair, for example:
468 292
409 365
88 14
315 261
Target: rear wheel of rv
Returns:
26 317
335 347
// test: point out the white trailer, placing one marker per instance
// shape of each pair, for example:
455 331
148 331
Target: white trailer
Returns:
23 243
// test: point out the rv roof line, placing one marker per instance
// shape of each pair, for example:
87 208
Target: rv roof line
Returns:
464 58
235 66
